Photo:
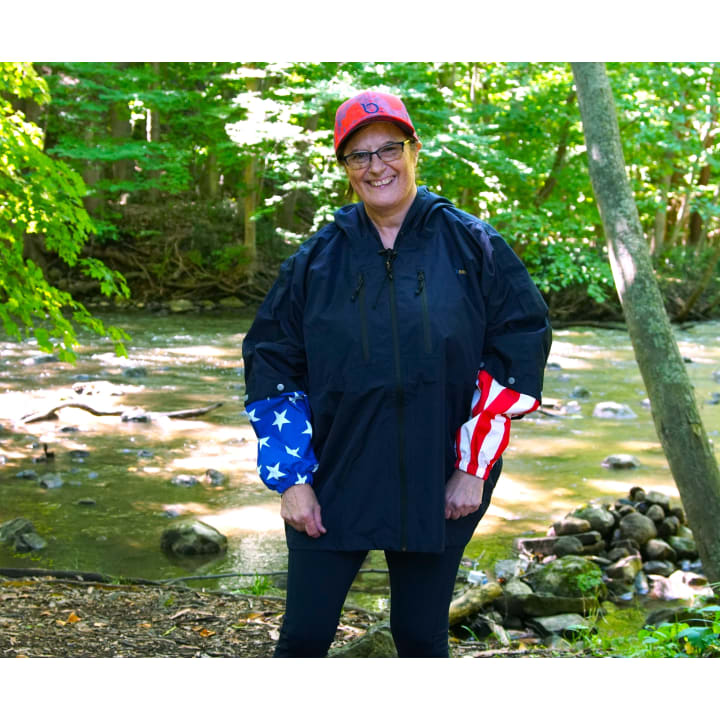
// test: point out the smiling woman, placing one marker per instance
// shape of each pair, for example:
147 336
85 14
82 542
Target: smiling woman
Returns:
382 372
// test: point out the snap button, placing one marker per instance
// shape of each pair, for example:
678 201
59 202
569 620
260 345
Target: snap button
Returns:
511 381
280 386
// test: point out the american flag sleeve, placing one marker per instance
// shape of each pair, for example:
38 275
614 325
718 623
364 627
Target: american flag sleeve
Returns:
285 455
480 441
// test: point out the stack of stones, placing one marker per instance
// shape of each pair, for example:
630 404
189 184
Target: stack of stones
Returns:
635 537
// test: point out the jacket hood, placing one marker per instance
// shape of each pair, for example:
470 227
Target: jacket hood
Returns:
351 218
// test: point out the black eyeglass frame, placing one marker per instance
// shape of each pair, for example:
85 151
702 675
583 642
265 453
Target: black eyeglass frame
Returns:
370 153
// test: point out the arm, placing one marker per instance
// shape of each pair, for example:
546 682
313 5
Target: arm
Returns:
509 381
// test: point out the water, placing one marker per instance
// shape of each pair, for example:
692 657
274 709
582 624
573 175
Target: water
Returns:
552 465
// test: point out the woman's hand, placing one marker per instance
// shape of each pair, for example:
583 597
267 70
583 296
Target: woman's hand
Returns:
301 510
463 495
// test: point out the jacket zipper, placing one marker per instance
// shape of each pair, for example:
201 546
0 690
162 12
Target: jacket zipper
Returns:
390 256
359 294
425 313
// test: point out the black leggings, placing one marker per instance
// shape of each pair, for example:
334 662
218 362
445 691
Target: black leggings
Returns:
421 587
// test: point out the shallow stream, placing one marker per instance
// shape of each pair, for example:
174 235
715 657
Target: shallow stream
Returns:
114 503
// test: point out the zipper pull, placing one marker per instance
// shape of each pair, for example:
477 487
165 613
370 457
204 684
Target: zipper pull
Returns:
421 282
361 282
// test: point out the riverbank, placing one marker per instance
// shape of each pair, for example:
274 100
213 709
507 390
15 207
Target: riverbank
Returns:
51 618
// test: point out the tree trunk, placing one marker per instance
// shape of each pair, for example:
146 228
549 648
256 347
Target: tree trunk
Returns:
675 414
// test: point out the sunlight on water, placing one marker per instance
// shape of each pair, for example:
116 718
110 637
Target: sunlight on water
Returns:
553 464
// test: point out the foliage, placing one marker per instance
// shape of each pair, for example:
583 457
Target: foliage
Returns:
503 141
41 199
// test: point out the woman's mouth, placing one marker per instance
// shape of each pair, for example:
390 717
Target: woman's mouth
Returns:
381 183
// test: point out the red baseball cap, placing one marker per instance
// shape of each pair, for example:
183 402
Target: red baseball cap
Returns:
367 107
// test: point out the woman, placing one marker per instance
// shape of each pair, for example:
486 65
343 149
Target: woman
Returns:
382 372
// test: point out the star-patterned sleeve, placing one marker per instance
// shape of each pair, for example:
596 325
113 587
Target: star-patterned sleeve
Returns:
285 454
483 438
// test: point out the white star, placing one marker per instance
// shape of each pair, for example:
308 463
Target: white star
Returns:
280 419
308 429
301 479
251 415
262 442
274 472
292 452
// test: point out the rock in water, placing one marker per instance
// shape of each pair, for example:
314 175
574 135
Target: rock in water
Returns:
193 537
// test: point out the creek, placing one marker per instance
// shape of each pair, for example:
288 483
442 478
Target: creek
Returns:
117 497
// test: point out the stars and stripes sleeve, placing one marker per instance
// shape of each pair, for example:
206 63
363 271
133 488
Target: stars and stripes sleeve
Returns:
481 441
285 456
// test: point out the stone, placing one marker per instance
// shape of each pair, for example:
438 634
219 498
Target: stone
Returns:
568 545
669 526
569 576
214 477
621 462
505 570
600 519
27 475
89 502
565 625
21 534
656 514
542 546
193 537
684 547
571 525
50 481
680 585
579 392
658 567
231 302
637 527
181 306
613 411
659 550
625 569
184 480
636 494
542 604
134 372
377 642
658 498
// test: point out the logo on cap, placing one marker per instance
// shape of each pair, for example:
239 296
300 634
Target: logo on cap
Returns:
370 108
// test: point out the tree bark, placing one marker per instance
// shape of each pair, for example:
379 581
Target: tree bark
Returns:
675 413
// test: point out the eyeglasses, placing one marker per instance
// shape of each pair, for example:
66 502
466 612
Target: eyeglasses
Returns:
387 153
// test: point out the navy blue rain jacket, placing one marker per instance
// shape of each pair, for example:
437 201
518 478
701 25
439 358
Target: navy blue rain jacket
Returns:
387 346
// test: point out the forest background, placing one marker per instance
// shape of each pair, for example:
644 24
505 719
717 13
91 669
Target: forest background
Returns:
151 181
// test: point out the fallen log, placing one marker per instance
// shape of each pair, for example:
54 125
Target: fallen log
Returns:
51 414
473 600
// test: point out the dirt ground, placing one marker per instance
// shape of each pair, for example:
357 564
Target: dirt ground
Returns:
62 618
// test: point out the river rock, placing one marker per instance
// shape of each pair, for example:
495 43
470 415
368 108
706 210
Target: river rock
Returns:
50 481
505 570
659 550
566 625
181 306
680 585
137 415
613 411
658 567
658 498
600 519
41 360
231 302
377 642
621 462
637 527
568 545
571 525
214 477
656 514
625 569
569 576
27 475
193 537
579 392
184 480
684 547
21 535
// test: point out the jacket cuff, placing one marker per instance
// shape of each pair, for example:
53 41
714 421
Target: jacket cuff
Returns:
481 441
285 456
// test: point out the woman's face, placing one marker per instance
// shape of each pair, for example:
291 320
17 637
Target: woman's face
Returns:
384 187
